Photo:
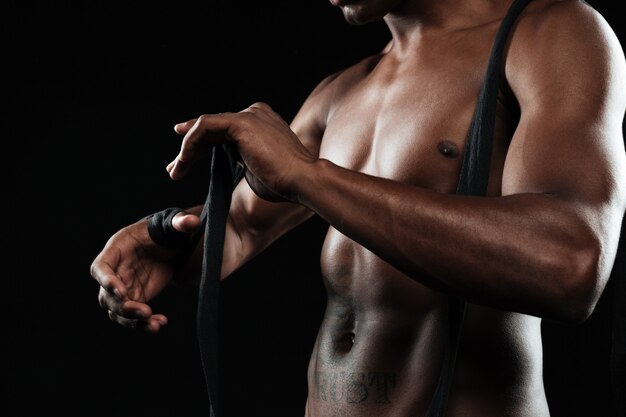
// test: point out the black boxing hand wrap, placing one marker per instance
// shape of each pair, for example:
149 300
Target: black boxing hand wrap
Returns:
162 231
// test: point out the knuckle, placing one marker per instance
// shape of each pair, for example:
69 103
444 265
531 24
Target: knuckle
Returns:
102 300
108 286
92 269
203 119
260 106
247 113
244 121
248 117
96 272
187 143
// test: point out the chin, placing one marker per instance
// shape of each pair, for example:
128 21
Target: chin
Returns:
358 17
360 12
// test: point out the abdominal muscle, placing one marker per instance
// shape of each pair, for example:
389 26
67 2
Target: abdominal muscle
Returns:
379 350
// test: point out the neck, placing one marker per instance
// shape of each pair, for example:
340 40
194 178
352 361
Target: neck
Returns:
414 20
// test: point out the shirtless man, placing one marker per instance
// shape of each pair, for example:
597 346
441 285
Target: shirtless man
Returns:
376 151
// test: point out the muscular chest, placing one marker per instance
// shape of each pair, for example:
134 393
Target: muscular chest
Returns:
409 123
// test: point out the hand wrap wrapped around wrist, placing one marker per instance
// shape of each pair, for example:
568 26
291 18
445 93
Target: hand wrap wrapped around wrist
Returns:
162 232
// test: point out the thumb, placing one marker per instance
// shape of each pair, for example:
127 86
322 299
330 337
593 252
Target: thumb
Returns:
186 222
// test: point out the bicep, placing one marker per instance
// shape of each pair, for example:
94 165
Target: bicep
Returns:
571 87
568 148
573 156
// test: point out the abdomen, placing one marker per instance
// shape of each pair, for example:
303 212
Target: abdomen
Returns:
381 343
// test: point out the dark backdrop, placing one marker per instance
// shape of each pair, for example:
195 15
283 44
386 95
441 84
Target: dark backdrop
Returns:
90 95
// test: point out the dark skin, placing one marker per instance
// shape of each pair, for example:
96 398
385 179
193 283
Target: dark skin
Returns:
376 151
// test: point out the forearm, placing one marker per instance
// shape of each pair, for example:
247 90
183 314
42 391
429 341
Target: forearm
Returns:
529 253
251 226
189 272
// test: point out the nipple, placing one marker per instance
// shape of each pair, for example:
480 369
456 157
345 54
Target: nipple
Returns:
448 149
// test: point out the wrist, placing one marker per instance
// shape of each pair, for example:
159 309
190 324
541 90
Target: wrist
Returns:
162 231
309 181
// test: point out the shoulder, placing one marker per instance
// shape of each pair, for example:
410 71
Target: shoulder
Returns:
566 69
564 22
552 29
332 89
335 85
564 42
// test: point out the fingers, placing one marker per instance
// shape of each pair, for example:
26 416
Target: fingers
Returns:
199 134
182 128
102 272
130 314
210 129
123 307
186 222
169 166
152 324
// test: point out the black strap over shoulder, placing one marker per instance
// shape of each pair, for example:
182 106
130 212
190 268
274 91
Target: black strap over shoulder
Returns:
225 173
474 177
473 180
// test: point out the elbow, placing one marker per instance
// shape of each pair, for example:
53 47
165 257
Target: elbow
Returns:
580 285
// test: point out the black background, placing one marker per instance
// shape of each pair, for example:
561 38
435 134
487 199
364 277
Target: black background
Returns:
91 92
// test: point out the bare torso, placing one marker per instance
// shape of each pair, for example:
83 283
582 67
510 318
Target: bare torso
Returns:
386 138
380 347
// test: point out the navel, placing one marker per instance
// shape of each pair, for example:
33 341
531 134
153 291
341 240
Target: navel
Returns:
448 149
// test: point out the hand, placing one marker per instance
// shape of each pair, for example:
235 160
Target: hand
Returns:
271 152
132 270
